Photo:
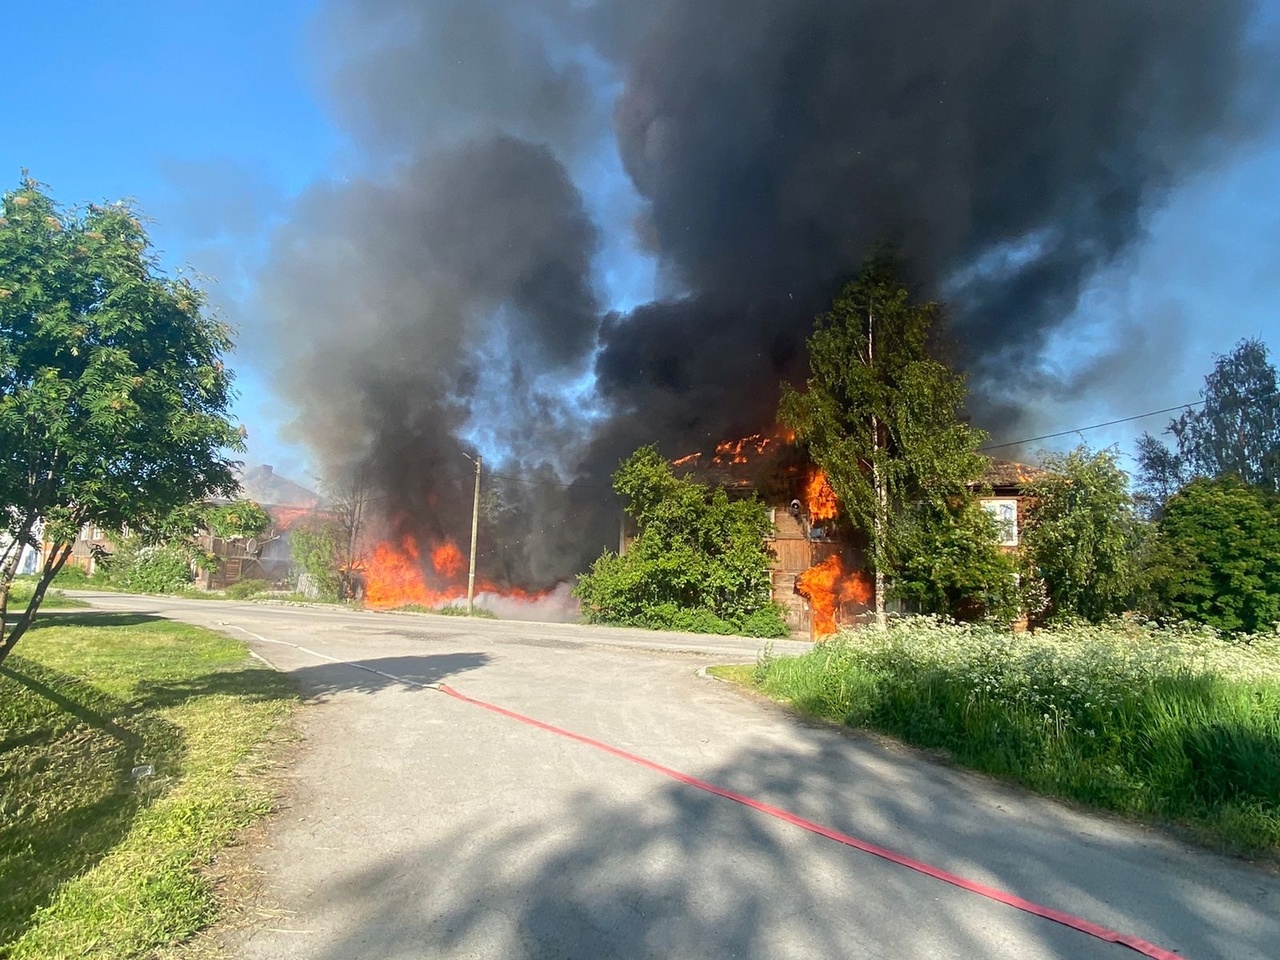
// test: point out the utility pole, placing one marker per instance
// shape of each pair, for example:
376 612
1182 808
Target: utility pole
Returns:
475 529
877 481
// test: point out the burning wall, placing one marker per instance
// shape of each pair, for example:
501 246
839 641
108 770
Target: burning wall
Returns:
818 574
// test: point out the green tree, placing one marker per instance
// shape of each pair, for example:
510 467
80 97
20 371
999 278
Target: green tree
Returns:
1216 558
1080 537
698 563
319 549
237 520
947 562
113 393
881 416
1236 432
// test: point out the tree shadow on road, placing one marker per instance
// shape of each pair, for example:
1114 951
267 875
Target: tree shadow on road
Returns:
597 869
95 618
371 676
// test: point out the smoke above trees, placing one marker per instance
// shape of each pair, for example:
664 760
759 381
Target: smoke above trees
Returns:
514 155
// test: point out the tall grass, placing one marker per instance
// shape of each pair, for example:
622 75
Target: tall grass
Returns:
1176 723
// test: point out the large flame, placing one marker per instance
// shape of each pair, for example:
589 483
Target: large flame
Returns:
740 451
828 585
395 575
447 559
819 498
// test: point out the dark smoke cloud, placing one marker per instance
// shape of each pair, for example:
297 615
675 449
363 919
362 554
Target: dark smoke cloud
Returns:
778 140
1008 149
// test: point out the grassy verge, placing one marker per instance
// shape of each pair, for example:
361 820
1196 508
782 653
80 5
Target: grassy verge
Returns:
1173 724
54 599
130 751
448 610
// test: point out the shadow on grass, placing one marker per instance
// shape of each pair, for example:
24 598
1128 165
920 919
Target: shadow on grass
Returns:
315 682
94 618
66 782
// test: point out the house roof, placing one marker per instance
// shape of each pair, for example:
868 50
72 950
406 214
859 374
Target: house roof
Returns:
1009 473
760 463
264 485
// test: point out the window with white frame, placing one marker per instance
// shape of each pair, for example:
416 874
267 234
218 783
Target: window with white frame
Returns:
1005 512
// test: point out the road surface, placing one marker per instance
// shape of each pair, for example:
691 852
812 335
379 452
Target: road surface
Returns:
417 825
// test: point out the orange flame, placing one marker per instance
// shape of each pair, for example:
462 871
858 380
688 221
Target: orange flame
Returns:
827 586
735 451
740 451
447 559
396 576
819 498
286 518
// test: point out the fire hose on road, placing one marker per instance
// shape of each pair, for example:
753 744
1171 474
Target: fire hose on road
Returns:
1080 924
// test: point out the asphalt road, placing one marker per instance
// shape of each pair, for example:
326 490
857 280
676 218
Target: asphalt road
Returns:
420 826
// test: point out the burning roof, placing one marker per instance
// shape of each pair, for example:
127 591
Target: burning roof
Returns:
1009 474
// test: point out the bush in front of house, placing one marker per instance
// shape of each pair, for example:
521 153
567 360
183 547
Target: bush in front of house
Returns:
699 563
149 568
1178 722
244 589
1216 556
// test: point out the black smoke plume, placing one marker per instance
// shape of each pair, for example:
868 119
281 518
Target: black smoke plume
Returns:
1008 149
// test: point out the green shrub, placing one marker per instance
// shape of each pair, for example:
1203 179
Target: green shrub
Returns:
241 518
244 589
769 622
699 562
1175 722
1216 557
150 568
317 546
72 577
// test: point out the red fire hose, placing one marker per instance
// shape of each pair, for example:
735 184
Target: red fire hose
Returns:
1000 896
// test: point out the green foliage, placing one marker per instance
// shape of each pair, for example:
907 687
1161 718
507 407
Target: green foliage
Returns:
948 563
142 567
24 587
1171 722
1235 433
1080 536
319 547
237 520
699 562
878 403
113 392
1216 558
244 589
454 610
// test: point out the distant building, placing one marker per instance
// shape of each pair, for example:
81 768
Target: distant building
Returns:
268 557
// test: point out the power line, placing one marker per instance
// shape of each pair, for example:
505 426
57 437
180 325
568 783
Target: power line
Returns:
1094 426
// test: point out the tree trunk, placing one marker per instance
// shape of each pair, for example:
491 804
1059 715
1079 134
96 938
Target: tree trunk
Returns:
9 636
879 530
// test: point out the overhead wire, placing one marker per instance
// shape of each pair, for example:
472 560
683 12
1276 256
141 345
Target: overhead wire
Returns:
1092 426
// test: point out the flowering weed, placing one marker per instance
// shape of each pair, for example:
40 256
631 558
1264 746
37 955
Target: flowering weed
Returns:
1172 722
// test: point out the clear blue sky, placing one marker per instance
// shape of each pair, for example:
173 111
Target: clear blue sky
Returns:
213 115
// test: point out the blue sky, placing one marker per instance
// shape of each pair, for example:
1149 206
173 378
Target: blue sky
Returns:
212 116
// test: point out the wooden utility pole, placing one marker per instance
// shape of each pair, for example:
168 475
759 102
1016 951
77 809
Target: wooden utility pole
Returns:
475 528
877 481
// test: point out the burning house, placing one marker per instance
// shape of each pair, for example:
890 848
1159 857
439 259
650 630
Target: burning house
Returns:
621 229
820 567
268 557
